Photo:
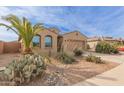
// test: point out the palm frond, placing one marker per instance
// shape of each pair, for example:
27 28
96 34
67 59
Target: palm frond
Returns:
37 28
23 28
9 27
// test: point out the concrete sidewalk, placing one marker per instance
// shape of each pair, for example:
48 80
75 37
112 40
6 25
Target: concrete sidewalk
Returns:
112 77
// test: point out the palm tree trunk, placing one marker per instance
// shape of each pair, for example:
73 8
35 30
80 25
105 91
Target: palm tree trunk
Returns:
26 48
27 51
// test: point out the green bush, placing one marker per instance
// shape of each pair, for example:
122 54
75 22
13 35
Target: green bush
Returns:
25 69
65 58
104 47
91 58
114 50
78 52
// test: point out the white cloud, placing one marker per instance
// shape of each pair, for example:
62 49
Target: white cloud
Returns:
108 23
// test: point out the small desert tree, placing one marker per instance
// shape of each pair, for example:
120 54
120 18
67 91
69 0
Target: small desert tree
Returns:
105 47
24 29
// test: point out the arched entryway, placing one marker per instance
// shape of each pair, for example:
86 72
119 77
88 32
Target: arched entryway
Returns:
48 41
37 41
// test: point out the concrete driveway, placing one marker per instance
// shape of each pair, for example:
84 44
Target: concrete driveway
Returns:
113 77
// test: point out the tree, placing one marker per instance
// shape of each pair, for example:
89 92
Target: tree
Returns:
24 29
104 47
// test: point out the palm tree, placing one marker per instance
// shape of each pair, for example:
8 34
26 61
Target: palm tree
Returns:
24 29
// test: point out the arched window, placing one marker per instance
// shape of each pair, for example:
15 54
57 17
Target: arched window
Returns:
48 41
37 41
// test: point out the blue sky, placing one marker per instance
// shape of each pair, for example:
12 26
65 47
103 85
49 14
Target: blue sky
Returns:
91 21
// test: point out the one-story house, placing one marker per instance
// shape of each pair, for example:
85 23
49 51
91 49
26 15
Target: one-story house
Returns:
92 42
50 40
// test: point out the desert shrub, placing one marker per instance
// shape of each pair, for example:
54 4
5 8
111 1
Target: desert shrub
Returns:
98 48
87 46
98 60
78 52
25 69
65 58
114 50
104 47
91 58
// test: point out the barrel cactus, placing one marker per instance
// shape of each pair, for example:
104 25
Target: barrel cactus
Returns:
25 68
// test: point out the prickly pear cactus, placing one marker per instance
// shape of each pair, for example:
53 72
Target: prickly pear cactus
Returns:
25 68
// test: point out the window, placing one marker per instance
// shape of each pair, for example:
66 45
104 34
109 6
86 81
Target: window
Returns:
36 41
48 41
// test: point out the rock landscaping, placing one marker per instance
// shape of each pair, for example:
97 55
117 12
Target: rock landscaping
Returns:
60 74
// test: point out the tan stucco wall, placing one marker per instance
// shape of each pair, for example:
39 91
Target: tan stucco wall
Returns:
92 45
73 40
12 47
1 47
9 47
44 49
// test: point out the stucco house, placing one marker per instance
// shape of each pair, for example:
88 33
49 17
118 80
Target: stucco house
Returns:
73 40
50 40
92 42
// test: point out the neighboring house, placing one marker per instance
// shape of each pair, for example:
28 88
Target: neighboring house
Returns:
92 42
50 40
